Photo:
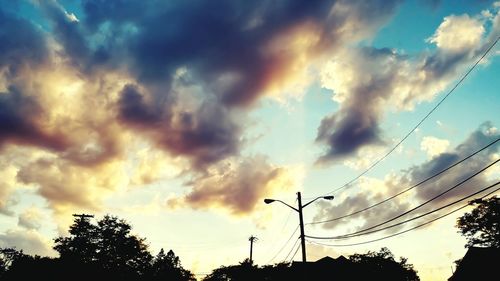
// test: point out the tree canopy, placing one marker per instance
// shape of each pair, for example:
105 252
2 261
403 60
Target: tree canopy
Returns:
103 250
379 265
481 226
382 265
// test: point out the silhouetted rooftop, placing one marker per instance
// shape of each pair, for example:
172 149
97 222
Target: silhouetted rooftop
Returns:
478 264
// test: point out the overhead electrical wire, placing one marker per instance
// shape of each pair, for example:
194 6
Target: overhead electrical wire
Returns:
414 208
401 232
421 215
281 231
407 189
284 245
291 250
420 122
294 254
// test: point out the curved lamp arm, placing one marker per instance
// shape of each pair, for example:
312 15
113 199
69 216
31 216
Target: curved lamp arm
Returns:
269 201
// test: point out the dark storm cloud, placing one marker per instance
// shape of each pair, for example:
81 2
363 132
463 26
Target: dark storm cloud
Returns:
238 187
18 122
357 123
354 203
345 132
22 46
476 140
21 43
67 32
206 135
386 79
233 50
133 108
221 37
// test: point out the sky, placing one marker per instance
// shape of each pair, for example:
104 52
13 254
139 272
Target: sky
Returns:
182 116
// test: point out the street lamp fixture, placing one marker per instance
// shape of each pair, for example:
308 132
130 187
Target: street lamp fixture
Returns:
269 201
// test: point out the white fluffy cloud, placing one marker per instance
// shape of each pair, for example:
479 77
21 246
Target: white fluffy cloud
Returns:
368 81
31 218
458 33
239 185
434 146
30 241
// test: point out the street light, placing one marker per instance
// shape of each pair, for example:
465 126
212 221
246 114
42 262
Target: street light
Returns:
301 219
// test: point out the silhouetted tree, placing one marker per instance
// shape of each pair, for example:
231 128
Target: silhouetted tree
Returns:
168 267
382 266
248 271
118 249
245 271
81 245
110 245
103 251
481 226
8 256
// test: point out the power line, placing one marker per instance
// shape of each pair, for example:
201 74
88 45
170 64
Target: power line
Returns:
284 245
414 208
424 214
407 189
291 250
294 254
402 232
420 122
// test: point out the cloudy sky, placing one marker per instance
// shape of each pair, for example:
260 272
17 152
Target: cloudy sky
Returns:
182 116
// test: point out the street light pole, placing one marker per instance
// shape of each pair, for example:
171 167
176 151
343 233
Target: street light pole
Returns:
302 235
301 219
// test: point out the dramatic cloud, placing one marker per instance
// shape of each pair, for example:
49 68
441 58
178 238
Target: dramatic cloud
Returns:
368 81
23 47
237 186
8 185
458 33
18 122
22 44
153 165
434 146
30 219
221 54
30 241
67 186
83 93
373 190
479 138
205 135
86 88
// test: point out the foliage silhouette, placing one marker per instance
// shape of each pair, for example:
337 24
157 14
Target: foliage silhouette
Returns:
103 251
168 267
370 266
381 265
481 226
247 271
109 243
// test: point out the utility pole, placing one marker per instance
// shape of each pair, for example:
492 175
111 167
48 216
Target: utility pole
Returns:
252 239
83 216
301 219
302 235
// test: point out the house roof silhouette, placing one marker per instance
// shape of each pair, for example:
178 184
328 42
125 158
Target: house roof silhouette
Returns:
478 264
340 267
